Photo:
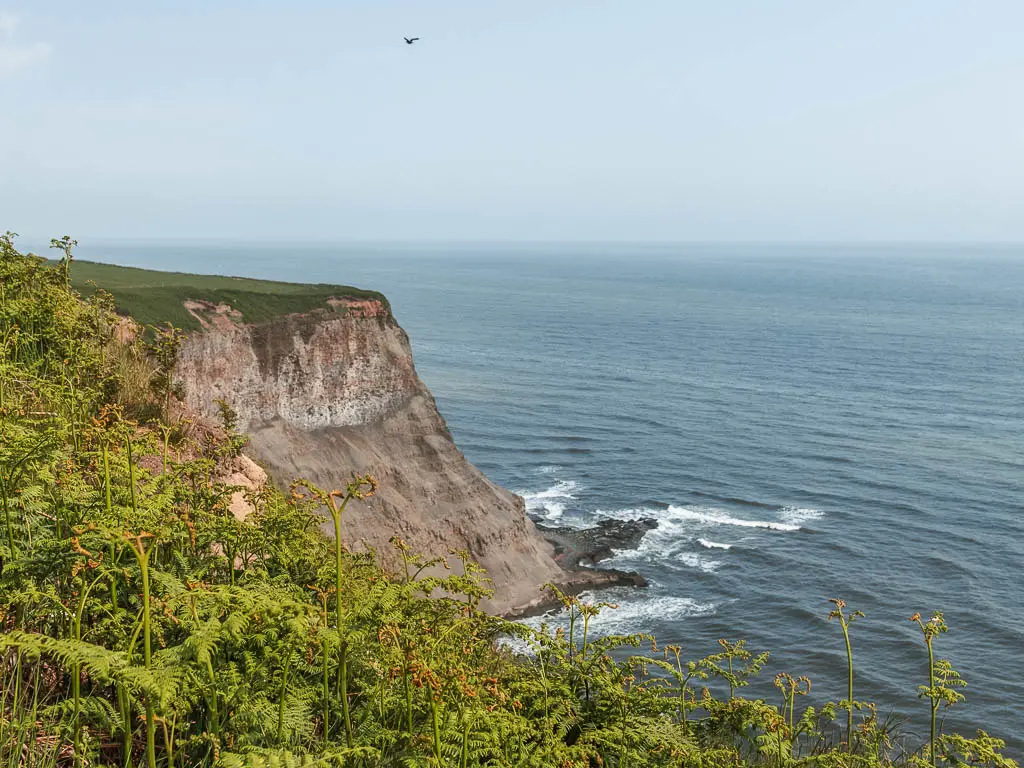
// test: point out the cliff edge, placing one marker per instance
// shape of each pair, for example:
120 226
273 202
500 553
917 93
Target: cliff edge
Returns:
329 393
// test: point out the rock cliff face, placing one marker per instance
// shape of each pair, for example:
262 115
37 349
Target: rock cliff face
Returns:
330 393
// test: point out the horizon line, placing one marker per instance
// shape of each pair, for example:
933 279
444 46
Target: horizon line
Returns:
90 242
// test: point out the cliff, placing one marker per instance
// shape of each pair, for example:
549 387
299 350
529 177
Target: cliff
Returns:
325 394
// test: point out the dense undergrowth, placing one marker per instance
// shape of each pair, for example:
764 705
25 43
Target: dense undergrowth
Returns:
143 624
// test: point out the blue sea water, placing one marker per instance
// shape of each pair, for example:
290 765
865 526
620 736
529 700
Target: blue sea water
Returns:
804 422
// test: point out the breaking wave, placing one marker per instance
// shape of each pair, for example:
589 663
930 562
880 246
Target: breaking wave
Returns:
693 560
683 535
632 615
720 517
684 519
800 515
678 529
713 544
550 503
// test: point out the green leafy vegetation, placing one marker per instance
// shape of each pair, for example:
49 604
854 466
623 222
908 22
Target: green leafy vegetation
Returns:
143 623
156 298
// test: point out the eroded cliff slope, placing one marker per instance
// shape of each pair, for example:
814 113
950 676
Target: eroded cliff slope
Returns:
329 393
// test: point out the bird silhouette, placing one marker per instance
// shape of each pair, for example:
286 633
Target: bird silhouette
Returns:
410 40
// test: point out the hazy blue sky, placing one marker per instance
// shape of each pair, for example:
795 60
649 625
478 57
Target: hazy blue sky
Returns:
532 119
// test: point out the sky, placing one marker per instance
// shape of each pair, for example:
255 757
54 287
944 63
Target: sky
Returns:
533 120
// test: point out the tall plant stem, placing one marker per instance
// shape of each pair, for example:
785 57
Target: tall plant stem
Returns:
142 555
408 698
683 680
435 725
7 519
543 656
166 440
110 514
15 700
76 673
125 710
849 686
464 758
934 699
34 716
732 685
336 512
845 620
281 699
583 656
326 678
131 474
343 672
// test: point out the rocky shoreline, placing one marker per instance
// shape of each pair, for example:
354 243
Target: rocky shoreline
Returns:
579 550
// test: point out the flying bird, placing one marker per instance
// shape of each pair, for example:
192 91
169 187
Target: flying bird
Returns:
410 40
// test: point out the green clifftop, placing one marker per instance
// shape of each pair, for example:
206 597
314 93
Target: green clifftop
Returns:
152 297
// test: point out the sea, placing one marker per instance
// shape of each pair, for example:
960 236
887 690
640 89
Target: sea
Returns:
804 422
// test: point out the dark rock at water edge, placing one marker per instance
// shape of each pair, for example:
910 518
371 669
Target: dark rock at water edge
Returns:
578 550
575 547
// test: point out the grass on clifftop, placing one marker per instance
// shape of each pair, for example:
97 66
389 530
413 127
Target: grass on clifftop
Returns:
152 297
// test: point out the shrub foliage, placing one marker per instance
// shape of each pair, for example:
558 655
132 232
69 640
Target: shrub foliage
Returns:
144 623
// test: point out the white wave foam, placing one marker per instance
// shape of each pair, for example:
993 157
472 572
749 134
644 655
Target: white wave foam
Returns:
800 515
713 544
656 543
693 560
551 510
676 515
720 517
640 615
551 502
560 490
548 469
664 544
677 528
